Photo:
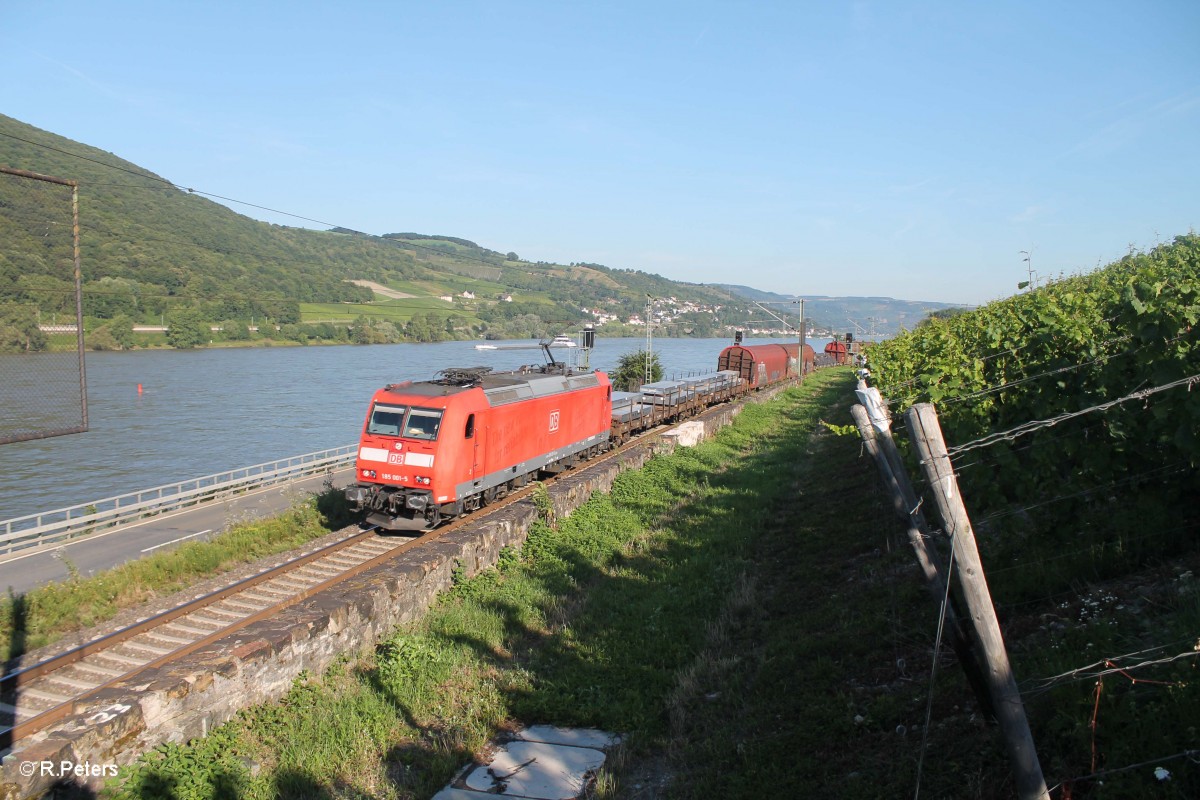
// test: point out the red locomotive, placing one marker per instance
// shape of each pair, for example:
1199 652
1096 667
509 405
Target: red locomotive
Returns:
431 450
435 449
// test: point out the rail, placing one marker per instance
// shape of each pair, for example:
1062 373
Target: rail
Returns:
84 519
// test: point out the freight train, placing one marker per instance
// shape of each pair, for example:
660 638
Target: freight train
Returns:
433 450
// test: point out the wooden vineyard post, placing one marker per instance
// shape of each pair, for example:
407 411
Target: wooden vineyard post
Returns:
926 433
901 504
905 504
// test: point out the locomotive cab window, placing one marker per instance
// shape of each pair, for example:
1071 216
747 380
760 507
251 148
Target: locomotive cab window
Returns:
423 423
386 420
470 432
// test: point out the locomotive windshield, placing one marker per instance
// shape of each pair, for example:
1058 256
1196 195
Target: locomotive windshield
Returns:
386 420
413 423
423 423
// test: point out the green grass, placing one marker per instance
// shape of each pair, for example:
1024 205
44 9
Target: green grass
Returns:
747 614
400 311
461 284
46 614
593 623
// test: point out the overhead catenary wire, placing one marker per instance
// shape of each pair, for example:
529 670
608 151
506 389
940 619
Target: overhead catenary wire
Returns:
403 243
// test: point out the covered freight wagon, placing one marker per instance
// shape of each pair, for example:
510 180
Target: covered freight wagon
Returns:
836 350
763 364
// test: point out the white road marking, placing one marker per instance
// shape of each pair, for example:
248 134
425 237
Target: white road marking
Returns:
180 539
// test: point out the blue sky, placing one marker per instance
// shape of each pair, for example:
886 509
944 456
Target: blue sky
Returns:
903 149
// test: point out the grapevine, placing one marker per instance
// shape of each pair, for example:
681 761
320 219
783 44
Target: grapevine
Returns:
1071 345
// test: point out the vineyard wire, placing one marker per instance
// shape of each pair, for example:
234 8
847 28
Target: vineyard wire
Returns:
1034 425
1013 351
1035 443
1173 468
1080 674
1176 468
1064 556
937 648
1190 754
1028 378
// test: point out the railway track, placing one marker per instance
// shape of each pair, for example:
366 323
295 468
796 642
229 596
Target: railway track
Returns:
38 696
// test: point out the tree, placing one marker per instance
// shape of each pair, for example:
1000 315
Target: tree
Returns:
236 330
426 328
19 332
102 339
121 328
631 370
364 331
186 329
108 297
293 332
51 295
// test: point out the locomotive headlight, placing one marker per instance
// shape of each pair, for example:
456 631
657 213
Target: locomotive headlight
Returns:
424 480
368 473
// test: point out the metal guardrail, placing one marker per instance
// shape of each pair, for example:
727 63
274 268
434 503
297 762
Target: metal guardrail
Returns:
73 522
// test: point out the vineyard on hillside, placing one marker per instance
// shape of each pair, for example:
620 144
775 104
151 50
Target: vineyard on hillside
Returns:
1031 394
1071 415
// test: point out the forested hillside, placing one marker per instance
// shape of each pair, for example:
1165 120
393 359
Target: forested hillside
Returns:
151 251
869 317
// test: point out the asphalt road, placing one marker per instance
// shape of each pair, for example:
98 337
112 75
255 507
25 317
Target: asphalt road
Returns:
102 551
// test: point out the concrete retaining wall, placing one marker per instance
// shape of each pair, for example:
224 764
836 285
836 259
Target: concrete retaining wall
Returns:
257 664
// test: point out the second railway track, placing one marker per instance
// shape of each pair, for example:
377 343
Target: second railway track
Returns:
176 673
44 693
37 696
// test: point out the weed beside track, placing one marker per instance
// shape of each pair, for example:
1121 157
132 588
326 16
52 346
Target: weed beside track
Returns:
630 615
44 615
745 612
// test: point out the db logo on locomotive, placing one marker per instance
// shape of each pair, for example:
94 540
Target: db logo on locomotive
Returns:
553 421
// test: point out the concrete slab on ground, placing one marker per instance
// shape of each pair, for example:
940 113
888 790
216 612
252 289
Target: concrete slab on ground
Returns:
539 763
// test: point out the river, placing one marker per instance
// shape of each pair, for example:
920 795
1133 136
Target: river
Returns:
204 411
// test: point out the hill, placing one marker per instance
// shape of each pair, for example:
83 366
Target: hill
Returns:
862 316
151 249
154 252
